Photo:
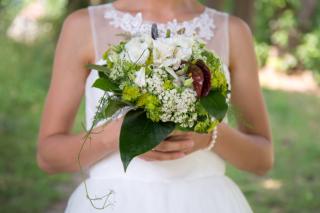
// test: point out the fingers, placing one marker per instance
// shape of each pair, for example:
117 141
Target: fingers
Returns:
161 156
174 145
177 133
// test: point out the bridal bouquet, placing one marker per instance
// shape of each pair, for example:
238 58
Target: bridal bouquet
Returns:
165 84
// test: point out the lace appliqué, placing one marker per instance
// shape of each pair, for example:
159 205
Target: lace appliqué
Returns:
202 26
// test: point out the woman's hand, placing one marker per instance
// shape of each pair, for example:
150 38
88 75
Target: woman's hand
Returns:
177 145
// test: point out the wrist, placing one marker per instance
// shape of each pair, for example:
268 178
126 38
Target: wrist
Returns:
213 139
107 141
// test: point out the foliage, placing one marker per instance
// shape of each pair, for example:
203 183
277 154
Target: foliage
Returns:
55 8
24 82
262 51
308 52
274 15
279 24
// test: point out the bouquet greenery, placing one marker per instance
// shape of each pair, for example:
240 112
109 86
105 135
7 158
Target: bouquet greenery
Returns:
166 83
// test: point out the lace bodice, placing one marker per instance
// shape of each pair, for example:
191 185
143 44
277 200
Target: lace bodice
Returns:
107 24
202 25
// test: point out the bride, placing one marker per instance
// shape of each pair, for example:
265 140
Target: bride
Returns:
181 174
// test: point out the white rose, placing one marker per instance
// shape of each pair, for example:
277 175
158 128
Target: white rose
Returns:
183 47
137 49
140 79
171 51
163 49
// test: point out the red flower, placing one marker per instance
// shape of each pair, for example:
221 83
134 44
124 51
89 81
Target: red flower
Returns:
201 77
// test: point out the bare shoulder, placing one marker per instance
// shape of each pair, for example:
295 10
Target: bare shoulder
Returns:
76 32
239 28
77 20
241 41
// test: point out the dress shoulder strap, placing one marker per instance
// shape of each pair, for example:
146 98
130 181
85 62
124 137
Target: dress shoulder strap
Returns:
220 41
103 33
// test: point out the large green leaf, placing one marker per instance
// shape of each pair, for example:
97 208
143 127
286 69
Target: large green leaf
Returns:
139 135
216 105
102 70
113 106
99 68
106 85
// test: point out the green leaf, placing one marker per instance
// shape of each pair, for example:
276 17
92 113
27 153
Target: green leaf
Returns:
102 70
99 68
216 105
106 85
102 75
113 106
139 135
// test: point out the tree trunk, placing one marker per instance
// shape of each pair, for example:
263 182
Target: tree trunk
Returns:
245 10
308 10
217 4
73 5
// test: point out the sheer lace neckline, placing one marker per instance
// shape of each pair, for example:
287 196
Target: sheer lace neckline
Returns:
202 25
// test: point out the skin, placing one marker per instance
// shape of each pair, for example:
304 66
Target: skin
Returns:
248 147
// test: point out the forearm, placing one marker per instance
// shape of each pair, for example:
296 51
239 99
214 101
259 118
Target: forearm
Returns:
59 152
247 152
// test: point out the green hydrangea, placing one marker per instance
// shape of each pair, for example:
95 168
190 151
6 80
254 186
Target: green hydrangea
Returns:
148 101
219 82
151 103
212 61
130 93
168 85
154 115
206 126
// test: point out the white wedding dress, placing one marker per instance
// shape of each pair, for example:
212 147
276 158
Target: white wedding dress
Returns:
193 184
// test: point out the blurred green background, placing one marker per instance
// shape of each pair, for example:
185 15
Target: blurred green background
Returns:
287 37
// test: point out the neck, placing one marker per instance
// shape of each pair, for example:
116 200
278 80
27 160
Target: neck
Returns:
167 6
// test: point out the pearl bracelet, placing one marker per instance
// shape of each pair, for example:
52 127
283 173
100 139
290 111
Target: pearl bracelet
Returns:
213 139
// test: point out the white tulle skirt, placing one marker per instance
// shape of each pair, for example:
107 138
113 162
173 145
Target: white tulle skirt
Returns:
196 185
204 195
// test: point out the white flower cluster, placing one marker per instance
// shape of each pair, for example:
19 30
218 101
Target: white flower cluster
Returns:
117 70
179 107
155 82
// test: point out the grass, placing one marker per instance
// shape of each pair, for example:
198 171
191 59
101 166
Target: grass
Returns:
294 183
